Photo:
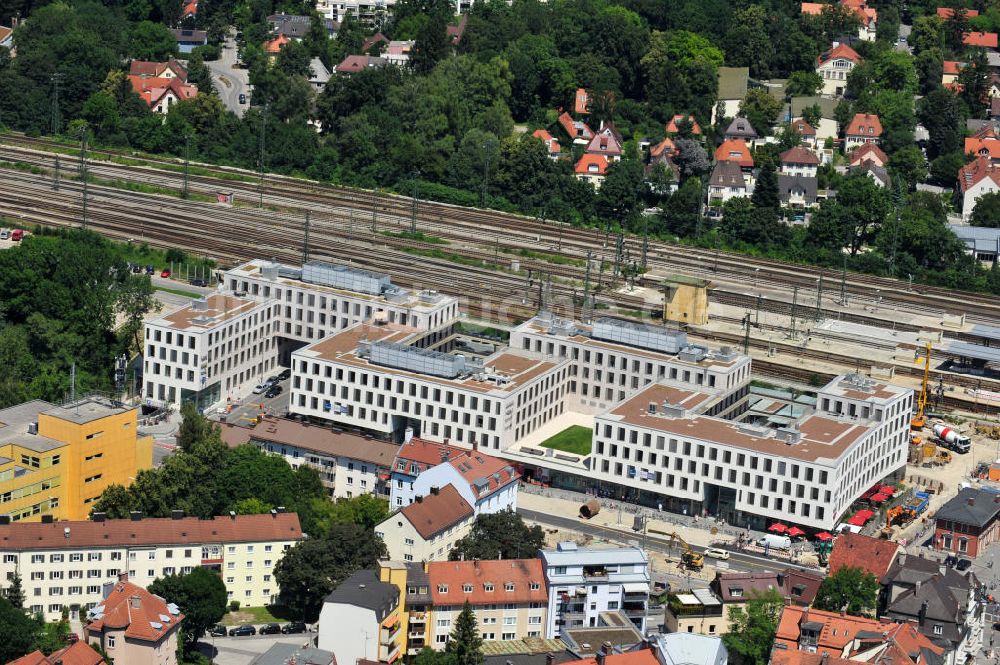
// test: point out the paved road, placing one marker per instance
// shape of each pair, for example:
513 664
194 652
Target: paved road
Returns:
230 81
243 650
252 405
737 561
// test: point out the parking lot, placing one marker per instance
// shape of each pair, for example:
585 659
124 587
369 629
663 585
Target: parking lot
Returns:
249 407
243 650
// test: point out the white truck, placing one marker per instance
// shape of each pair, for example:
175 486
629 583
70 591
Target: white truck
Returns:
952 439
774 541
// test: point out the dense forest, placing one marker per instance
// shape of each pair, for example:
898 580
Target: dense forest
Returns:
456 123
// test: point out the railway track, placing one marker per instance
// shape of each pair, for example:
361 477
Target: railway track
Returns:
485 228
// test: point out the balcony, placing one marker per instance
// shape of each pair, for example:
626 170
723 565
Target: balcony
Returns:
388 634
418 634
390 654
418 617
595 573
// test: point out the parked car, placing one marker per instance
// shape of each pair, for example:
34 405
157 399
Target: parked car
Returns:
16 235
72 638
273 391
716 553
243 98
950 560
285 374
272 380
963 565
270 629
293 627
198 281
245 630
4 234
259 388
218 630
165 273
150 270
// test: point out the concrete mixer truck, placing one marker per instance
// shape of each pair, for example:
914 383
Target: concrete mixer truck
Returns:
952 439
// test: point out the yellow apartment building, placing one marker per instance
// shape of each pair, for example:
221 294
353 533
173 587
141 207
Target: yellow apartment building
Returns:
410 577
57 460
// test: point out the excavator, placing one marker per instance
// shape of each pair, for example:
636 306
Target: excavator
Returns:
918 421
689 558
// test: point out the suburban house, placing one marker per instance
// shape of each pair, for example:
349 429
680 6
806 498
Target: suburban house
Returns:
867 15
798 191
738 152
427 529
296 27
950 72
377 38
455 31
872 555
189 10
272 47
941 603
864 128
397 52
78 653
360 620
607 142
878 174
581 102
509 597
7 38
160 84
319 75
975 179
287 654
984 143
799 161
740 128
577 130
946 13
969 522
551 143
981 242
673 126
834 65
733 84
353 64
726 182
826 127
806 132
670 170
987 40
133 626
591 168
869 152
189 40
816 637
664 147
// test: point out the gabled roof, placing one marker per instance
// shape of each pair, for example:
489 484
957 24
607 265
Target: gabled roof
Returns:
672 125
947 12
364 589
146 68
5 32
510 580
799 155
575 128
727 174
835 630
152 90
373 40
666 146
275 45
734 150
190 9
791 183
484 473
953 66
455 32
591 164
355 63
551 143
872 555
867 153
740 128
284 431
581 102
78 653
812 8
144 616
604 143
802 127
425 454
864 124
986 147
641 657
971 506
873 170
432 514
839 51
969 176
980 39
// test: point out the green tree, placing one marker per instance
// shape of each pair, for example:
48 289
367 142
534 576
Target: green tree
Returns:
747 43
14 593
465 644
765 193
887 28
987 211
313 568
761 108
955 29
151 41
930 68
251 506
618 197
803 84
201 597
502 535
813 115
927 33
851 589
431 44
752 627
195 428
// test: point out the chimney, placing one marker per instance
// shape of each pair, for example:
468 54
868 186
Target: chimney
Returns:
135 515
901 559
922 614
475 447
123 577
407 435
66 532
274 514
232 514
435 491
177 514
419 499
826 657
972 501
550 658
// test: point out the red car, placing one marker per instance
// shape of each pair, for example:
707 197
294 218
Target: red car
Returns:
16 235
72 638
165 274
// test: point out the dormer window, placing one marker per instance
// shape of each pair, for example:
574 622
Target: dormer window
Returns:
736 592
509 586
534 586
442 588
938 630
467 588
488 587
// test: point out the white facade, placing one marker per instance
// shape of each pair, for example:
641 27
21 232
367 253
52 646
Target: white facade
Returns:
834 73
806 474
585 581
208 351
490 406
800 169
986 185
369 12
427 529
502 498
73 573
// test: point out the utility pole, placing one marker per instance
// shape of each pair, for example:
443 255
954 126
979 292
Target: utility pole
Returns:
897 199
486 173
645 240
374 213
746 333
819 299
55 175
56 80
305 241
72 382
843 283
187 159
84 176
262 157
413 204
795 302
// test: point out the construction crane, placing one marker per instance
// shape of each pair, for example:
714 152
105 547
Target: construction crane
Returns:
918 420
693 560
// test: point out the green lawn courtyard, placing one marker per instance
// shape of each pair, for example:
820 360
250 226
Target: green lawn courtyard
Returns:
574 439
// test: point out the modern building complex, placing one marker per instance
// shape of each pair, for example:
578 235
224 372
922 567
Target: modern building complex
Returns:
583 582
349 464
508 596
56 461
68 563
133 626
487 483
427 529
360 620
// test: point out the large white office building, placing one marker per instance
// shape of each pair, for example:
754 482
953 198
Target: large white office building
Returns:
583 582
380 377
